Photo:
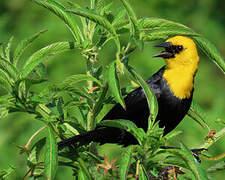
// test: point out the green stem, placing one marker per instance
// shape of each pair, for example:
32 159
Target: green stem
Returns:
90 118
33 136
98 106
83 166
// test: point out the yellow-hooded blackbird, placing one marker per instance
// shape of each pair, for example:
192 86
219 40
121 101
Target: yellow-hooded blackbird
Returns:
173 86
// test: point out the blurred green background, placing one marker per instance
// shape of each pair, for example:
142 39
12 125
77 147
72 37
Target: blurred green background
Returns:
23 18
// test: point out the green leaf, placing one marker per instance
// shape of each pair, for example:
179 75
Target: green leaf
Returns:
8 68
59 11
126 125
98 19
59 106
148 23
173 134
71 129
188 161
38 146
142 173
44 111
133 18
40 55
2 50
51 155
99 4
119 17
84 169
72 80
165 33
83 21
125 162
210 50
217 167
80 92
28 83
5 76
23 45
4 174
193 164
216 137
81 175
152 101
32 158
113 81
9 49
99 104
5 84
41 71
174 160
197 114
122 26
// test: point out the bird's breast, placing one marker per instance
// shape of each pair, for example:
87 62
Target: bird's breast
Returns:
179 82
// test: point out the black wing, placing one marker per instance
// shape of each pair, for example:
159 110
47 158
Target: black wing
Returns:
136 110
136 103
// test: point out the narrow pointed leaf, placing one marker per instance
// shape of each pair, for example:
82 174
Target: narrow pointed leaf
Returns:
59 106
126 125
81 175
51 155
2 50
98 19
84 169
9 49
5 174
99 104
23 45
197 114
193 164
173 134
119 17
71 80
83 20
125 162
59 11
219 167
39 56
8 68
148 23
152 101
5 84
165 33
210 50
6 77
184 158
80 92
142 173
113 81
132 17
39 145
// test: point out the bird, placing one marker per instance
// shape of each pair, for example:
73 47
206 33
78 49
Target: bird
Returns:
173 86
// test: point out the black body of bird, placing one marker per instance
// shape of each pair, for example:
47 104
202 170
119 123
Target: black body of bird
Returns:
173 88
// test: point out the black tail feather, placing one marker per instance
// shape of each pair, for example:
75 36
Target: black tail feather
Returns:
102 135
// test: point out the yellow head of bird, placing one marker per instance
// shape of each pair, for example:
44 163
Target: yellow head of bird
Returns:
181 59
180 52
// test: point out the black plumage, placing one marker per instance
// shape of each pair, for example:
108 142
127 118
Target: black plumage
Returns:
171 112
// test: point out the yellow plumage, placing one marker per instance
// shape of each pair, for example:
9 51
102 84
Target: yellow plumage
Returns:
180 70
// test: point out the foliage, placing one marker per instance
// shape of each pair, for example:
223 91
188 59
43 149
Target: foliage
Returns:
90 94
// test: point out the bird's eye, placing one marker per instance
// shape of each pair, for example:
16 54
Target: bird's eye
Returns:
180 47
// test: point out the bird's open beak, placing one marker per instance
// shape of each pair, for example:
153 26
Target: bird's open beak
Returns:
165 54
